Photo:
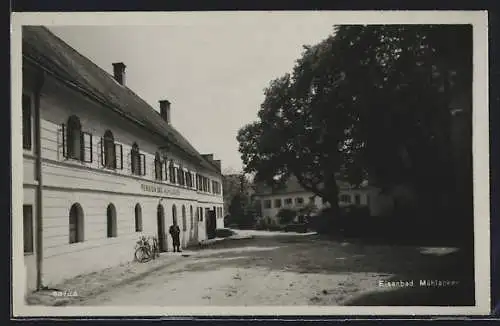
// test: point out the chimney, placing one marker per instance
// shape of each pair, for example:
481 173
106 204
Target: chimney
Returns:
119 72
165 110
209 157
218 164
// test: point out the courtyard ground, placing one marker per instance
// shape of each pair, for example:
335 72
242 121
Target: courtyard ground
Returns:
273 268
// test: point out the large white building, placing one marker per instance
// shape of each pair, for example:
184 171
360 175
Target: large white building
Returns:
102 167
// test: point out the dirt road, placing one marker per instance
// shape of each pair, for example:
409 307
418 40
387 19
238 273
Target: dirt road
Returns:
283 269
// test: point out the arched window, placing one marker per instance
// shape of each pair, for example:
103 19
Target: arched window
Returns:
75 223
135 159
111 221
171 172
74 138
192 217
158 167
184 222
180 176
138 218
174 214
201 214
109 150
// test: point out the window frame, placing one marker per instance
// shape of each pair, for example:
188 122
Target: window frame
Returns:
28 246
191 217
79 224
174 215
74 138
172 173
184 218
158 163
342 198
111 221
108 150
138 218
27 136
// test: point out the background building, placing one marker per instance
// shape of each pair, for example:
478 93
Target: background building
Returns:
293 196
102 167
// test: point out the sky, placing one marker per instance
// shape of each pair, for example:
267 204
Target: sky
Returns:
212 72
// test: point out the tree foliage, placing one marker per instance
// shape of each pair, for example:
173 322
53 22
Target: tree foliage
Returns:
367 101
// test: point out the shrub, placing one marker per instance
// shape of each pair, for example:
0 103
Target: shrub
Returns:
325 222
224 233
286 215
296 227
274 227
261 223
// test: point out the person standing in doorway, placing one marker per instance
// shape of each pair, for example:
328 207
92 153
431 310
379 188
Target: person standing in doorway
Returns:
175 233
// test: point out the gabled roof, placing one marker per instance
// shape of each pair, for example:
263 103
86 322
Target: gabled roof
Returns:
65 63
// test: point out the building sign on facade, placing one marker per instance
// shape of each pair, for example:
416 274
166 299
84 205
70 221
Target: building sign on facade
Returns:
160 190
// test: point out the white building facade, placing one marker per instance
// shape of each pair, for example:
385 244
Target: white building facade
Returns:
102 167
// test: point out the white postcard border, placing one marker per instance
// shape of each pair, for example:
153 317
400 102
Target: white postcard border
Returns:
479 19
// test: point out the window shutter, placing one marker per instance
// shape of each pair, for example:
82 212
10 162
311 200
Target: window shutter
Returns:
165 168
129 162
91 148
63 131
132 161
103 161
86 147
162 170
119 156
142 164
154 169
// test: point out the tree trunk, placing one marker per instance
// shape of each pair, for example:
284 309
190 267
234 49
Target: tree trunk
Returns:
332 196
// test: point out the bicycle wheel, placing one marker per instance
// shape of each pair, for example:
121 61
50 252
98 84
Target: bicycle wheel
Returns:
142 255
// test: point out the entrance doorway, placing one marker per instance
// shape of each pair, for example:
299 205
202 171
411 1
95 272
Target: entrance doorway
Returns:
211 223
162 237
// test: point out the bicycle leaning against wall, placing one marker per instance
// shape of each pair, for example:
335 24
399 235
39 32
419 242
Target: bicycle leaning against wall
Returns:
146 249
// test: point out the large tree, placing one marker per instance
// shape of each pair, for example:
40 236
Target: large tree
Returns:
368 100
